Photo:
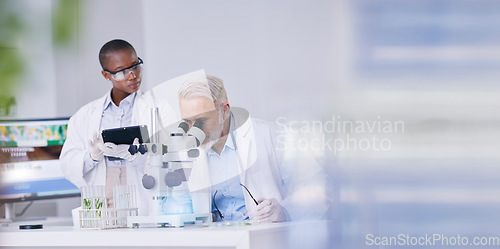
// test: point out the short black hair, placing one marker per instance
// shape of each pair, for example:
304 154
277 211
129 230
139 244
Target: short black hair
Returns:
111 47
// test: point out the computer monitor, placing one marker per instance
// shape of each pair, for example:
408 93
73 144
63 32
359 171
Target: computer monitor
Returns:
29 160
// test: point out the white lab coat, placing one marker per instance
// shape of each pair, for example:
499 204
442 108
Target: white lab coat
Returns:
296 181
81 129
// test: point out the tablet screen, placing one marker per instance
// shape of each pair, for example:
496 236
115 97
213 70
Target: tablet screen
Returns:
126 135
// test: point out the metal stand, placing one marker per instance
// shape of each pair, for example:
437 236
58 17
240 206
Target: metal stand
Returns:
175 220
10 213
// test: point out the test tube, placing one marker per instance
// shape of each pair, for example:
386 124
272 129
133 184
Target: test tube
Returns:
120 196
133 197
93 193
124 197
116 201
82 215
115 197
93 200
101 204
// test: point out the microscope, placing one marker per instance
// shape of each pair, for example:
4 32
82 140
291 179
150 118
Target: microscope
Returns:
166 177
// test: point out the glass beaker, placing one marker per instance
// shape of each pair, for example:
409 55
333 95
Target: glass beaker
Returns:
178 200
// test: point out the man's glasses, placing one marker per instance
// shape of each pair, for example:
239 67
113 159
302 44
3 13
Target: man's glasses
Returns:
220 213
125 73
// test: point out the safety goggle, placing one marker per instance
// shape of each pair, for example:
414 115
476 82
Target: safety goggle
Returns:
125 73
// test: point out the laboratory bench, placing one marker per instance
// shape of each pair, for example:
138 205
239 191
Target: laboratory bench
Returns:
311 234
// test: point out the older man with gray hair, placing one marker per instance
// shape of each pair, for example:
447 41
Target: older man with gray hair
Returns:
250 177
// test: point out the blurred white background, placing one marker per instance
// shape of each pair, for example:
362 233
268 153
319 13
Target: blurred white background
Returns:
433 64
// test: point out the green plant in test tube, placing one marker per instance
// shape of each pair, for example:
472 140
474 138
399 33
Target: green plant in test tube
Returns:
87 203
98 205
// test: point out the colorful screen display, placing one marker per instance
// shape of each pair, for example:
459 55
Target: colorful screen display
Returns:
29 160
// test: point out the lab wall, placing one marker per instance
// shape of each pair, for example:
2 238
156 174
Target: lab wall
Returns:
398 100
258 48
79 72
276 57
58 79
36 93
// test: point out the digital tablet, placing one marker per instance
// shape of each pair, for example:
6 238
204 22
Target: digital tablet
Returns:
126 135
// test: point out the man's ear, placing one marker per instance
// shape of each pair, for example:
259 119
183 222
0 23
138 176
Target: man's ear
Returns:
226 108
104 74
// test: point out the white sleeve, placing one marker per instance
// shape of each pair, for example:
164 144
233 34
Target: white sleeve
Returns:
75 149
309 195
88 163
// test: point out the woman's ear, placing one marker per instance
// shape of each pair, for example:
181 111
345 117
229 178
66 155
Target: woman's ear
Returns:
105 75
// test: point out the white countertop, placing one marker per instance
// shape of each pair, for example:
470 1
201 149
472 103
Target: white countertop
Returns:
275 235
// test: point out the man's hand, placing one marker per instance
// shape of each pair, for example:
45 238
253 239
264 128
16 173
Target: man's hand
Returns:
95 151
118 150
268 210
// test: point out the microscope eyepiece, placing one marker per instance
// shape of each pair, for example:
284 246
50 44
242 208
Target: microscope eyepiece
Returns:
199 124
197 132
184 126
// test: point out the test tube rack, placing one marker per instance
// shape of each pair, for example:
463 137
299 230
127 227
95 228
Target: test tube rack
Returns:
95 213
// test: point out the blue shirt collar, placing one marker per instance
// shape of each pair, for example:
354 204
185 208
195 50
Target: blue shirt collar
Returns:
129 99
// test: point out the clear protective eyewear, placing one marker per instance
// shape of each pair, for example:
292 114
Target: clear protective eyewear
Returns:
125 73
